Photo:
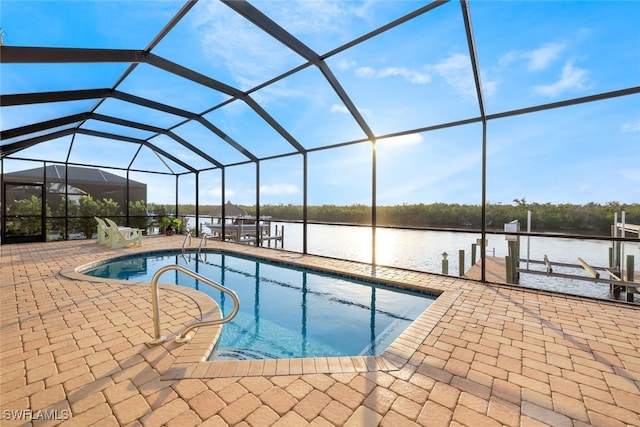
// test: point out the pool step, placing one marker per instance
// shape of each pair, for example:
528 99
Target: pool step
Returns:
240 354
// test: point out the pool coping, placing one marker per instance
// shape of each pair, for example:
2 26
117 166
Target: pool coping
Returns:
192 363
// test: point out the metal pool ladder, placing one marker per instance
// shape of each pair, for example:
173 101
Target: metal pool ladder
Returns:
158 339
187 238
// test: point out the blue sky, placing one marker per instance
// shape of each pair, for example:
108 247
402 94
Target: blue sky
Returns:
412 76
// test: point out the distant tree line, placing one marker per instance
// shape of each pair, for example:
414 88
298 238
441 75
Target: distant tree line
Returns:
590 218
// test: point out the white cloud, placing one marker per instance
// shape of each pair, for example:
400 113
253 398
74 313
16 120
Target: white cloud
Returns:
584 188
537 59
456 71
329 17
278 189
337 108
489 87
572 79
631 127
630 174
217 192
366 72
412 76
345 64
540 58
228 38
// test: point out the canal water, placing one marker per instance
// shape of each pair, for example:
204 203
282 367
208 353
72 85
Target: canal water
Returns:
422 251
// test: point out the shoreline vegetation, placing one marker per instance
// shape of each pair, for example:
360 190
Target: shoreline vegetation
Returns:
589 219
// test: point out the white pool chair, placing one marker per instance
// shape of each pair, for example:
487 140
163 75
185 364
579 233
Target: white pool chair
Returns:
103 231
123 236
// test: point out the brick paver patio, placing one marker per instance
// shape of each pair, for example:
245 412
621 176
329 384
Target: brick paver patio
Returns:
75 350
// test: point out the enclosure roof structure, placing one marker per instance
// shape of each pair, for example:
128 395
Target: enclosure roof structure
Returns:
180 87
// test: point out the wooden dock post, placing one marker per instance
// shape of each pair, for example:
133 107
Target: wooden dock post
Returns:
445 263
281 238
630 277
461 262
513 262
473 253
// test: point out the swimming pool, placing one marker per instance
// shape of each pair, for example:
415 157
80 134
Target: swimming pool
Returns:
285 311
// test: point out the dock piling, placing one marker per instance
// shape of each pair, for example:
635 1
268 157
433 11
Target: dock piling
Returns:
630 276
445 263
473 253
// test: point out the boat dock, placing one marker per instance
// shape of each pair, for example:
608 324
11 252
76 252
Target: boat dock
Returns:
496 272
247 230
629 228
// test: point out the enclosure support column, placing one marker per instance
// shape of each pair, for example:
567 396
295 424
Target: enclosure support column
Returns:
197 204
478 85
305 171
223 213
66 187
177 196
66 201
483 247
630 277
373 202
127 199
43 216
2 203
258 229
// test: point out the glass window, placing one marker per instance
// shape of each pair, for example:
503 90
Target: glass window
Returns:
334 23
571 49
577 155
23 115
340 176
225 45
245 126
148 160
137 113
180 151
431 167
56 149
411 76
308 108
152 83
104 24
210 143
90 150
35 78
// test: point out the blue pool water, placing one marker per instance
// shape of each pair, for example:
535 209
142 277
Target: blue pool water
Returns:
285 312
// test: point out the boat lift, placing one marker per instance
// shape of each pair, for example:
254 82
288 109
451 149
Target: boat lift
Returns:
619 277
620 274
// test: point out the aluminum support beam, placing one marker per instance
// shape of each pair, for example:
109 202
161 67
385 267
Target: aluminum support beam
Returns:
58 55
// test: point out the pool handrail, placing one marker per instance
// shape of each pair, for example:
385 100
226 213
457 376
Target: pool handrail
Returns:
155 302
202 240
186 238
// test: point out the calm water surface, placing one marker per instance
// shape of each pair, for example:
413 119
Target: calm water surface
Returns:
285 312
422 251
